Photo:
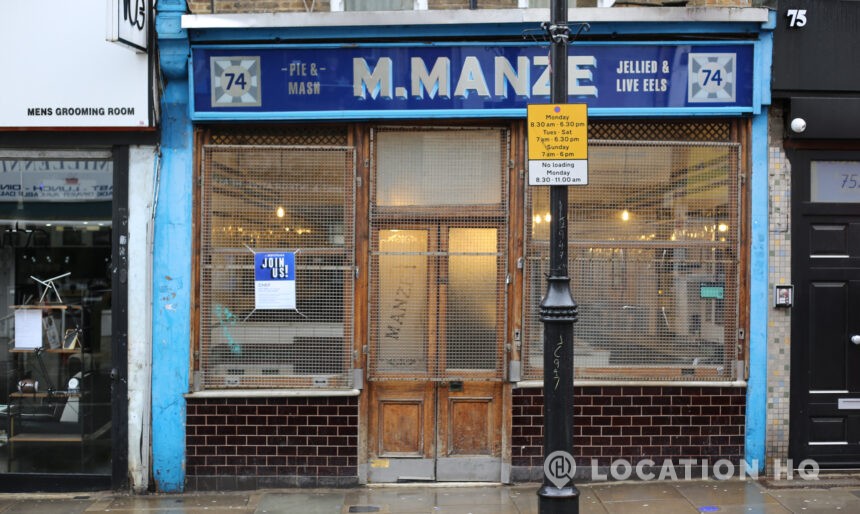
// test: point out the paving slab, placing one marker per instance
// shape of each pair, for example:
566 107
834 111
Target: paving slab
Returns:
157 503
321 502
635 491
52 506
818 500
669 506
723 494
770 508
677 497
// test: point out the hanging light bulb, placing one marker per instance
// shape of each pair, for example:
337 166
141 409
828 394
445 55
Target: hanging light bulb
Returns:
625 215
280 212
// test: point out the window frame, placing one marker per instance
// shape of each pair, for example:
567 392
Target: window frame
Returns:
345 378
339 5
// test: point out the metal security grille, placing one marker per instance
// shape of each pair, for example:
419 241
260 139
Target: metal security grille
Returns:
274 135
678 131
653 246
439 224
276 198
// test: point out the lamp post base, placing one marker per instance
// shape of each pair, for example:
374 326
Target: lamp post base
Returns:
558 500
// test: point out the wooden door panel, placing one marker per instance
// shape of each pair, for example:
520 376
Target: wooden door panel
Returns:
402 423
470 420
470 432
401 420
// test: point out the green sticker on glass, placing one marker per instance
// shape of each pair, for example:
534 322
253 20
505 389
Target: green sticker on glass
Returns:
711 291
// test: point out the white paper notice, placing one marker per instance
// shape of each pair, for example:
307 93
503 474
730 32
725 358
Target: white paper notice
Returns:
275 280
28 328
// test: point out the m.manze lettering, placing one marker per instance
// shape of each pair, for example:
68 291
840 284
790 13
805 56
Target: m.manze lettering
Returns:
399 308
526 78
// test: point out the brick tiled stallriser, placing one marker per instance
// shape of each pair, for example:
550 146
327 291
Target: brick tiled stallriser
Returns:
635 423
256 443
236 444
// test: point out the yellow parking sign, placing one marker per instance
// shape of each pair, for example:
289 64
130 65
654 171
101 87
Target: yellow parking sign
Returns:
558 144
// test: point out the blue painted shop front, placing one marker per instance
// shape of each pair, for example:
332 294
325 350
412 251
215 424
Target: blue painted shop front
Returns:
221 78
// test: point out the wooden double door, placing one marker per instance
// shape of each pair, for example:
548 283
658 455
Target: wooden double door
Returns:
437 302
437 354
435 431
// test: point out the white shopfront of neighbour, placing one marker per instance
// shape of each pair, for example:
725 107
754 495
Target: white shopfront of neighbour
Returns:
78 92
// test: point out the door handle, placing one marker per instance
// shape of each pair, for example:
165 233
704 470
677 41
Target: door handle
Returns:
855 339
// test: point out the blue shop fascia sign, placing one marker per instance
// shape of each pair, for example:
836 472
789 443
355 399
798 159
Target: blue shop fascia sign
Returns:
467 80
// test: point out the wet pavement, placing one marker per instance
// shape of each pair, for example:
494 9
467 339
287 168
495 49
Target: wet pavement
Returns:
725 497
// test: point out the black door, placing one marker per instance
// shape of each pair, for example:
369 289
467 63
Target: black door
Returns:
825 358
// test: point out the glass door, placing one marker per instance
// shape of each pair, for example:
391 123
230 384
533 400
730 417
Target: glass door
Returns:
55 328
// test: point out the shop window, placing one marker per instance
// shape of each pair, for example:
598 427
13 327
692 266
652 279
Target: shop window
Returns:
378 5
545 4
653 245
55 331
293 205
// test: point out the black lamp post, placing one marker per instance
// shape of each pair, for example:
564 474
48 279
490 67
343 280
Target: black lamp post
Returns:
558 314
